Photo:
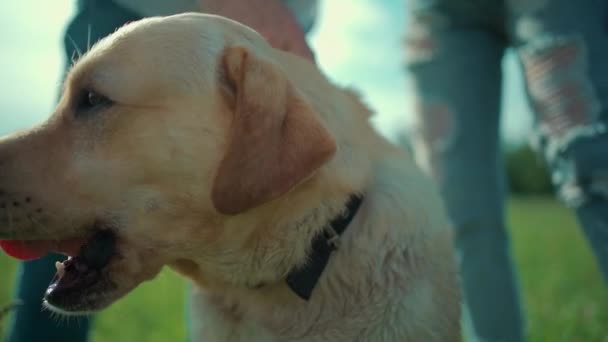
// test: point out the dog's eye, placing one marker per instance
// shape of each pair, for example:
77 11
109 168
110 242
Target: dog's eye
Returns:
92 100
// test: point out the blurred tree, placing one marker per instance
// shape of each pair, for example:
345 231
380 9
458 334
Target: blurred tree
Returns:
526 171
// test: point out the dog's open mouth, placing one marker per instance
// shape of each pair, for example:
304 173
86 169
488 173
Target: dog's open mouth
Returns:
83 275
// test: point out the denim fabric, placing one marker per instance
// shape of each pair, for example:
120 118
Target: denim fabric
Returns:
454 50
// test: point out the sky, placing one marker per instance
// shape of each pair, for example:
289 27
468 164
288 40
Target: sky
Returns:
357 43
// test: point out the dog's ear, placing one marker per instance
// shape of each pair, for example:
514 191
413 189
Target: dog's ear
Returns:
275 141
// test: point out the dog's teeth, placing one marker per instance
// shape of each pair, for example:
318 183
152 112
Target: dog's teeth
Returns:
60 269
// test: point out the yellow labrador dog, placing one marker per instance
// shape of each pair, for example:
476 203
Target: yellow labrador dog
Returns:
188 141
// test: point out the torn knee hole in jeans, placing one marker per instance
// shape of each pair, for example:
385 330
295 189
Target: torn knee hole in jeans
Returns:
420 41
433 130
575 193
580 168
419 48
434 124
559 87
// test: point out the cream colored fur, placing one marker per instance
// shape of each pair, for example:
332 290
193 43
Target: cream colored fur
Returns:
150 161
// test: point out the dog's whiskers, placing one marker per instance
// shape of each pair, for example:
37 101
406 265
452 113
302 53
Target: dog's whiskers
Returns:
11 230
89 30
9 217
36 223
74 58
76 48
56 316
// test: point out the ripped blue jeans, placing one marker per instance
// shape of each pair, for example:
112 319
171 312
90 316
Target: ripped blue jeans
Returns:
454 50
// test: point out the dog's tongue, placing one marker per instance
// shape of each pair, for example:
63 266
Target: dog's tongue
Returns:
26 250
30 250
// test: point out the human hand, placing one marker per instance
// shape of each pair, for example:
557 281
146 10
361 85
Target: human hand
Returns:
271 18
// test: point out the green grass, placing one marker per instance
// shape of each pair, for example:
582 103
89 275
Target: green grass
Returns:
565 297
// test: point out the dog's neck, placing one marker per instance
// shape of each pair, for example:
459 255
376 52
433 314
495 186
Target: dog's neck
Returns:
315 237
279 245
263 245
303 280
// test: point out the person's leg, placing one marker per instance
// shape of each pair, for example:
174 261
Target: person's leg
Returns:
94 20
453 54
563 48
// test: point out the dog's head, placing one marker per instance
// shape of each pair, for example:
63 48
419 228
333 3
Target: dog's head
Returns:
165 129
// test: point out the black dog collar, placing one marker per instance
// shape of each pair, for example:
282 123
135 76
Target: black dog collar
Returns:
303 280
